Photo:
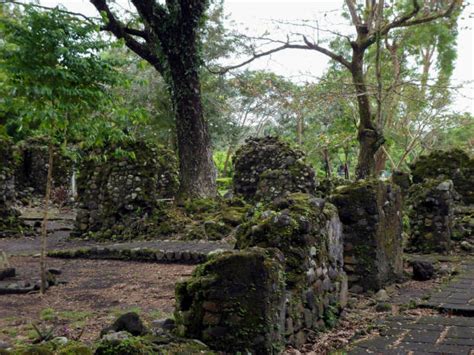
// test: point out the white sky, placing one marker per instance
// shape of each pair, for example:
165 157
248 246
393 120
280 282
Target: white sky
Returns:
255 17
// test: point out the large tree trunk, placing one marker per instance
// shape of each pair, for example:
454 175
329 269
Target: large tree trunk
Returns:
370 139
197 170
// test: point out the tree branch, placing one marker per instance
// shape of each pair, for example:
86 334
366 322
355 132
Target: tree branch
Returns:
76 14
251 59
121 32
286 45
353 11
135 32
330 54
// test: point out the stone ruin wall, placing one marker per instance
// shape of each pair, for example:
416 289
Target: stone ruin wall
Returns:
9 222
117 197
284 282
441 202
31 172
287 268
370 211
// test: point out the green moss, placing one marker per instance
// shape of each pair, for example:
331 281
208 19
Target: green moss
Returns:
129 346
201 205
74 348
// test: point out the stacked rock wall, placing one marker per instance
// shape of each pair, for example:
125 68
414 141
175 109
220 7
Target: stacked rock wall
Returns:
117 196
32 171
307 296
403 180
370 211
9 223
441 213
233 302
267 167
455 165
431 216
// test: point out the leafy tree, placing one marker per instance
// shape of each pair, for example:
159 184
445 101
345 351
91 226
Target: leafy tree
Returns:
168 39
55 79
373 21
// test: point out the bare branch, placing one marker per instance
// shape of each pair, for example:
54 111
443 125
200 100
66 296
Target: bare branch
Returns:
353 11
76 14
332 55
251 59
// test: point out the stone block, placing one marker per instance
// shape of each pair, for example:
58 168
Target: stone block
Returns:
373 249
431 207
233 302
266 168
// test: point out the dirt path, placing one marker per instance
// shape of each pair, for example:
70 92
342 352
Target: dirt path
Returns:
95 292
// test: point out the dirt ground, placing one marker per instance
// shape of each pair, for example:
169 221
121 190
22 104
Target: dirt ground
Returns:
95 292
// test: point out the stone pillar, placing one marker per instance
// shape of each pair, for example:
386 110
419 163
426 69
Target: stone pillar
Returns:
431 216
235 302
266 168
308 232
370 211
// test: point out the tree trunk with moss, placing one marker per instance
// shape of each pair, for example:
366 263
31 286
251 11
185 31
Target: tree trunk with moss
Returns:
169 42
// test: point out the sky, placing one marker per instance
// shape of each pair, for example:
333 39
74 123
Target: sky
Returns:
254 17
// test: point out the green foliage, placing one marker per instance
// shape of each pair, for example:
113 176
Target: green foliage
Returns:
55 76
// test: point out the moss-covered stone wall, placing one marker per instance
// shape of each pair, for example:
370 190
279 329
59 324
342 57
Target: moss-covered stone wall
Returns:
370 211
455 165
431 208
10 225
307 232
233 302
32 170
403 180
268 167
119 189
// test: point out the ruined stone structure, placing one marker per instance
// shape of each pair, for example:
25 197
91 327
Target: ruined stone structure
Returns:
9 223
370 211
260 299
234 301
403 180
327 186
455 165
118 197
32 169
441 202
267 167
431 216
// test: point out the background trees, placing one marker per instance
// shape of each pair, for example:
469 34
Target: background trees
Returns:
406 71
54 80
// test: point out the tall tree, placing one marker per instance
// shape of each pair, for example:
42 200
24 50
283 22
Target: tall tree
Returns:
168 39
373 21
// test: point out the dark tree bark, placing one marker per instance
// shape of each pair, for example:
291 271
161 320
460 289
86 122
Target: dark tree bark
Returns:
169 42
